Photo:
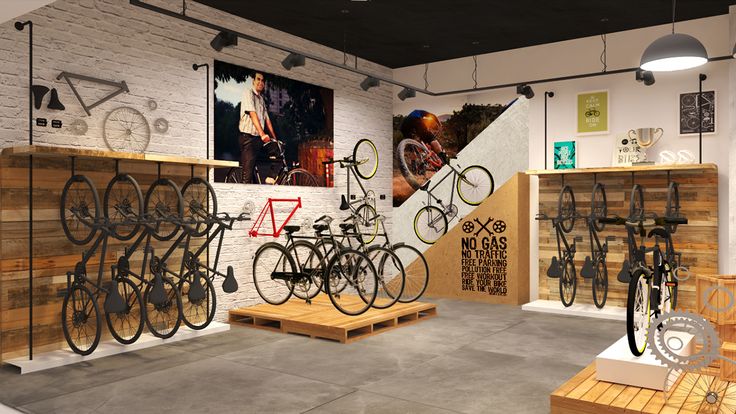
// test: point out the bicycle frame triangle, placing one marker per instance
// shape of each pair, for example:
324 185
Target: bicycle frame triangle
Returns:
267 212
122 87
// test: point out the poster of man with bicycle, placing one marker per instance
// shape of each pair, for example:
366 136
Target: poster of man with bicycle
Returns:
280 130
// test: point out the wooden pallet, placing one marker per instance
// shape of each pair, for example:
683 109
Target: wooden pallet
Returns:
583 394
320 319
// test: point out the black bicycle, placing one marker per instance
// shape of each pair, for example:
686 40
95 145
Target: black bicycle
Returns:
595 267
288 174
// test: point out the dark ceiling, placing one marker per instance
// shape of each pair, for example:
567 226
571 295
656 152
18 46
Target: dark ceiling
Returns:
398 33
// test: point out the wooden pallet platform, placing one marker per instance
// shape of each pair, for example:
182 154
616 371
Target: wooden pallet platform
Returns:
320 319
583 394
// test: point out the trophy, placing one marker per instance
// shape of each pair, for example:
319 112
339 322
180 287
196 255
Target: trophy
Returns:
645 138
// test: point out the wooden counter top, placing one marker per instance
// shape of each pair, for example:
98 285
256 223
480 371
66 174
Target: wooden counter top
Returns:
641 168
51 151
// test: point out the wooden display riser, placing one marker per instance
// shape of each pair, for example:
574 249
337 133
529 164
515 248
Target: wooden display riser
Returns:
583 394
320 319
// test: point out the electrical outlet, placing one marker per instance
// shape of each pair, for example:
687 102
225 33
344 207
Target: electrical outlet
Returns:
42 122
56 123
382 196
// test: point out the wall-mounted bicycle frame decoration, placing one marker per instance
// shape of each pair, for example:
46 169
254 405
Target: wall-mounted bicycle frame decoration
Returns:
267 212
121 86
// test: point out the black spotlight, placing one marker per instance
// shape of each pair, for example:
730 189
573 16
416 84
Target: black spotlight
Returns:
293 60
645 76
224 39
525 90
370 82
407 93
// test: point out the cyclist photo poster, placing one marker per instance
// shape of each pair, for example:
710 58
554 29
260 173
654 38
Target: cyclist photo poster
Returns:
421 138
280 130
592 113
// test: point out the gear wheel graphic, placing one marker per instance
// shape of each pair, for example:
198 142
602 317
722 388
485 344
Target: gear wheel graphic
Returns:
468 227
499 226
665 347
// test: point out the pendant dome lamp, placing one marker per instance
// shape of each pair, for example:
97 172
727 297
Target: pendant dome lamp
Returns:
675 51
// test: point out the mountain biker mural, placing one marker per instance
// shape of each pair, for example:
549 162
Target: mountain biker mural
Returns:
279 129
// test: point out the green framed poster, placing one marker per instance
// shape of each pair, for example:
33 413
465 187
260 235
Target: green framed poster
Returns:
592 113
565 157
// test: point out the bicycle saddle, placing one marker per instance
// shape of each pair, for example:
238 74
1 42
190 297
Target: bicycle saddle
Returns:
114 302
344 205
624 276
424 186
347 226
588 271
291 229
555 270
230 284
320 227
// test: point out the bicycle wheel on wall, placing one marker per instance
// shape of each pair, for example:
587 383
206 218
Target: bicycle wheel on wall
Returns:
673 205
79 209
568 284
598 206
197 195
126 326
273 268
123 206
638 312
416 163
636 203
163 319
474 185
600 284
80 320
198 300
566 208
365 155
164 204
430 224
416 271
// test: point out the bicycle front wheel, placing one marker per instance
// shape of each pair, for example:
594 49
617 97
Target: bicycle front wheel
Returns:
416 272
638 312
474 185
163 319
366 225
165 205
600 284
123 206
198 303
200 202
430 224
391 276
568 284
365 155
300 177
351 282
79 209
566 208
273 272
80 320
126 326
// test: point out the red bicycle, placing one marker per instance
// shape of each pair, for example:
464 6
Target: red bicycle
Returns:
268 212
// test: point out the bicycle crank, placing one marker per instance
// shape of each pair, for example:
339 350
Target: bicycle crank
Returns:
451 212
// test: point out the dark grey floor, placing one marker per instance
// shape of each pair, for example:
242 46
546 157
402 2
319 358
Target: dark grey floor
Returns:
472 358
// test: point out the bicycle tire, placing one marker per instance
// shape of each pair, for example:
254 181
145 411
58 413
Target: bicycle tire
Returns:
366 225
131 326
413 170
163 212
636 203
300 177
478 179
234 175
598 206
416 272
327 252
266 286
307 265
600 284
639 291
361 272
391 276
163 320
671 298
80 317
568 284
672 208
436 222
197 314
367 148
88 220
197 194
566 209
132 208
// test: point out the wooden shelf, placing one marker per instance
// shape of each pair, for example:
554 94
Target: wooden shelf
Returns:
641 168
51 151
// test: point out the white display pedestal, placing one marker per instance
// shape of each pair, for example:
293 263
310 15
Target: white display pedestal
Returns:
616 364
555 306
66 356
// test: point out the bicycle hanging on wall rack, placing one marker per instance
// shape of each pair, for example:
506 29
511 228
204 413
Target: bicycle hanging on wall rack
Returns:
474 184
595 267
562 266
287 174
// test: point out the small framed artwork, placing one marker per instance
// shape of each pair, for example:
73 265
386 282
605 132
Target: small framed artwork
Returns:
565 155
593 114
690 113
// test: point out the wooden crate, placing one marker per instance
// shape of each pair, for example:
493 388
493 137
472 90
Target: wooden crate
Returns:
320 319
583 394
713 300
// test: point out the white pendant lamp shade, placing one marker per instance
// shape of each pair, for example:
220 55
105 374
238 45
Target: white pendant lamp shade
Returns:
676 51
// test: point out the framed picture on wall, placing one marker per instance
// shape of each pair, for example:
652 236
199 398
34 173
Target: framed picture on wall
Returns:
593 114
689 110
565 156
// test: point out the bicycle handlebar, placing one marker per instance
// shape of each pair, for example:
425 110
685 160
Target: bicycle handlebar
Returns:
327 219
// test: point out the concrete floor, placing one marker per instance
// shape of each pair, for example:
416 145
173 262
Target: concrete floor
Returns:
472 358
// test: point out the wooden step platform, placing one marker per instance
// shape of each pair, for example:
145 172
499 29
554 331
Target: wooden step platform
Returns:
320 319
583 394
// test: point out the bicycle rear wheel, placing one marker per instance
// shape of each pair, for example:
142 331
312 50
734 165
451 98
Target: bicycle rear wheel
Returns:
123 206
600 284
351 282
391 276
80 320
673 205
273 271
415 162
568 284
163 319
366 225
79 209
566 208
430 224
198 304
300 177
598 206
126 326
366 155
165 205
197 195
416 271
474 185
638 311
636 203
310 263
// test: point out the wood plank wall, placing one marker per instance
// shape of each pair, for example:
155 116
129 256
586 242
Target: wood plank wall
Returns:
698 241
54 254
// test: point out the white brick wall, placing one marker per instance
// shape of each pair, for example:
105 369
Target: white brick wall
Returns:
111 39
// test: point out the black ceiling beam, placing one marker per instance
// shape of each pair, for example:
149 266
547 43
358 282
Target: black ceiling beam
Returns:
217 28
